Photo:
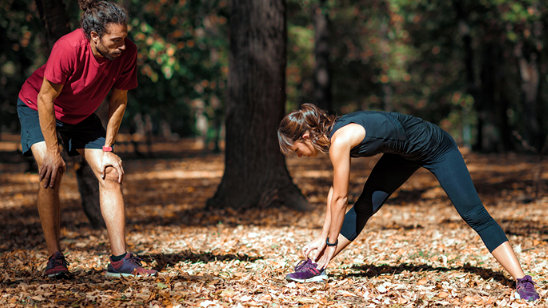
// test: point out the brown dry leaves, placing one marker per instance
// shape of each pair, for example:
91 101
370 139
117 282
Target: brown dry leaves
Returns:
415 252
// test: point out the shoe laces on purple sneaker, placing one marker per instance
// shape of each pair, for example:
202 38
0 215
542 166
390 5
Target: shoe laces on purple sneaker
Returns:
303 264
130 265
526 288
57 265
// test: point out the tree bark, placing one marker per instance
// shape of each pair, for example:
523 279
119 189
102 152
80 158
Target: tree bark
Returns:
322 73
255 172
468 58
54 16
530 85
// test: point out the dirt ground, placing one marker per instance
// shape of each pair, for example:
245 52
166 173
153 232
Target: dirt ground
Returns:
416 251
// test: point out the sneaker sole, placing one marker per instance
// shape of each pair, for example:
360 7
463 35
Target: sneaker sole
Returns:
119 275
318 278
59 275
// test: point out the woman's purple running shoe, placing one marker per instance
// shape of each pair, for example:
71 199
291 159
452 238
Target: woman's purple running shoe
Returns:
306 271
526 288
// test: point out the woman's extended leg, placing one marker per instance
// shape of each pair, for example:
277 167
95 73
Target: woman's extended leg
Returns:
452 173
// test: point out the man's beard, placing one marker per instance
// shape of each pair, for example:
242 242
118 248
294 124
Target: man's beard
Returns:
105 53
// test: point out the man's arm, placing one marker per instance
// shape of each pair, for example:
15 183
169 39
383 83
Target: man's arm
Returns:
52 164
117 107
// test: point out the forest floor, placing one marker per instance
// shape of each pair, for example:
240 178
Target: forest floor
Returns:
415 252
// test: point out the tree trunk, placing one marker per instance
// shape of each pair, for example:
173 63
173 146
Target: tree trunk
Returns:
255 173
54 16
322 74
55 19
488 135
530 84
468 57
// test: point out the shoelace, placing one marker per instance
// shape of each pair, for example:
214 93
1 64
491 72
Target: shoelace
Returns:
301 264
53 262
527 284
135 259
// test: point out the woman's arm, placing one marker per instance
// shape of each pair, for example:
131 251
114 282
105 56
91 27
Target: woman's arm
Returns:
327 221
342 142
314 249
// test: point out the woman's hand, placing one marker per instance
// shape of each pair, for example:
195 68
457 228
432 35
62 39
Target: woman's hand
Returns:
314 249
328 254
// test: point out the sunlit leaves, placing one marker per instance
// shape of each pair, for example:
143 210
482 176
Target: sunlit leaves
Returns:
415 252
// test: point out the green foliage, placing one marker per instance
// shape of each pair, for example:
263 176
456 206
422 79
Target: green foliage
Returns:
182 60
20 45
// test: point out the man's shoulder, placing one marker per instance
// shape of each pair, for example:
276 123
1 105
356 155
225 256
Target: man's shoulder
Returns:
74 39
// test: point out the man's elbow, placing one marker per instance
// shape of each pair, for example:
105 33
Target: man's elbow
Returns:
44 100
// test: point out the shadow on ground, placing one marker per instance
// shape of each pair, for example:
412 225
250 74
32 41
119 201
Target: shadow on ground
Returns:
371 270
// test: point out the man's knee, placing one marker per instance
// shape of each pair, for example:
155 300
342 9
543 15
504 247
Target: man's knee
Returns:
111 174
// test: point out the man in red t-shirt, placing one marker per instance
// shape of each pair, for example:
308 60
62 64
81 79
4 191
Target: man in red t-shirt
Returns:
60 98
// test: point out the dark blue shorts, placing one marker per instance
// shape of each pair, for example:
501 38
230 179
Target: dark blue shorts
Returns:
88 134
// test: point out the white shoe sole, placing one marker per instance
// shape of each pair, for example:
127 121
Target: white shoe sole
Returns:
318 278
119 275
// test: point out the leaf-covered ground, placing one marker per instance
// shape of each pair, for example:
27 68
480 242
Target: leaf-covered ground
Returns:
416 251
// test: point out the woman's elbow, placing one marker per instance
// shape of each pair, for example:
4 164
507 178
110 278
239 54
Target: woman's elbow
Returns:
340 201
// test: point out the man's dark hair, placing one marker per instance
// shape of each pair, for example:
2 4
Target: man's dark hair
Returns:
96 14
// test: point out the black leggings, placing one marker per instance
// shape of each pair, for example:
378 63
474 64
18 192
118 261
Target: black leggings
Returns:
391 171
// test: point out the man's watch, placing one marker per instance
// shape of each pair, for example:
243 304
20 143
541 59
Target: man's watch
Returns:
107 149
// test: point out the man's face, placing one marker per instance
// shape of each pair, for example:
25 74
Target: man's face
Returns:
112 43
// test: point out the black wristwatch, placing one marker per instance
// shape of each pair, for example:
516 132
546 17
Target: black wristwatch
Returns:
331 244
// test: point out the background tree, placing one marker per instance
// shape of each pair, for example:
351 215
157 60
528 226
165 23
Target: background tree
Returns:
255 173
322 70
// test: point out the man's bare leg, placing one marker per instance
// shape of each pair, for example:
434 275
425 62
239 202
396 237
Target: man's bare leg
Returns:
48 205
111 200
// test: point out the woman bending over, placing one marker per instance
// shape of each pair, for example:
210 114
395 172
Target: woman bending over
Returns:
407 143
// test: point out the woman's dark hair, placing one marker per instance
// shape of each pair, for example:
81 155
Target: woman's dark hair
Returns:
96 14
309 119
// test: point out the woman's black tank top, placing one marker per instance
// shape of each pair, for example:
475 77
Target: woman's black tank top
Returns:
396 133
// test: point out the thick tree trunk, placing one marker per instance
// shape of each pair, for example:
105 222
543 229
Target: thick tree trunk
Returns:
322 73
54 16
470 75
488 135
255 173
530 85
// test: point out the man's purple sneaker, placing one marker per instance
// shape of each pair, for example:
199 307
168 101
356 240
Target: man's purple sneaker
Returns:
57 266
306 271
526 288
130 265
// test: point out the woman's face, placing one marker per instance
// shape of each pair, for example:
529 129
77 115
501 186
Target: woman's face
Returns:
304 147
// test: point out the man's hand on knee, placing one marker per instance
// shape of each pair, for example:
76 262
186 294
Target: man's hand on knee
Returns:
116 171
53 167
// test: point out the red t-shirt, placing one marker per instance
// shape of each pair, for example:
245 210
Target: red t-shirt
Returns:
86 80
